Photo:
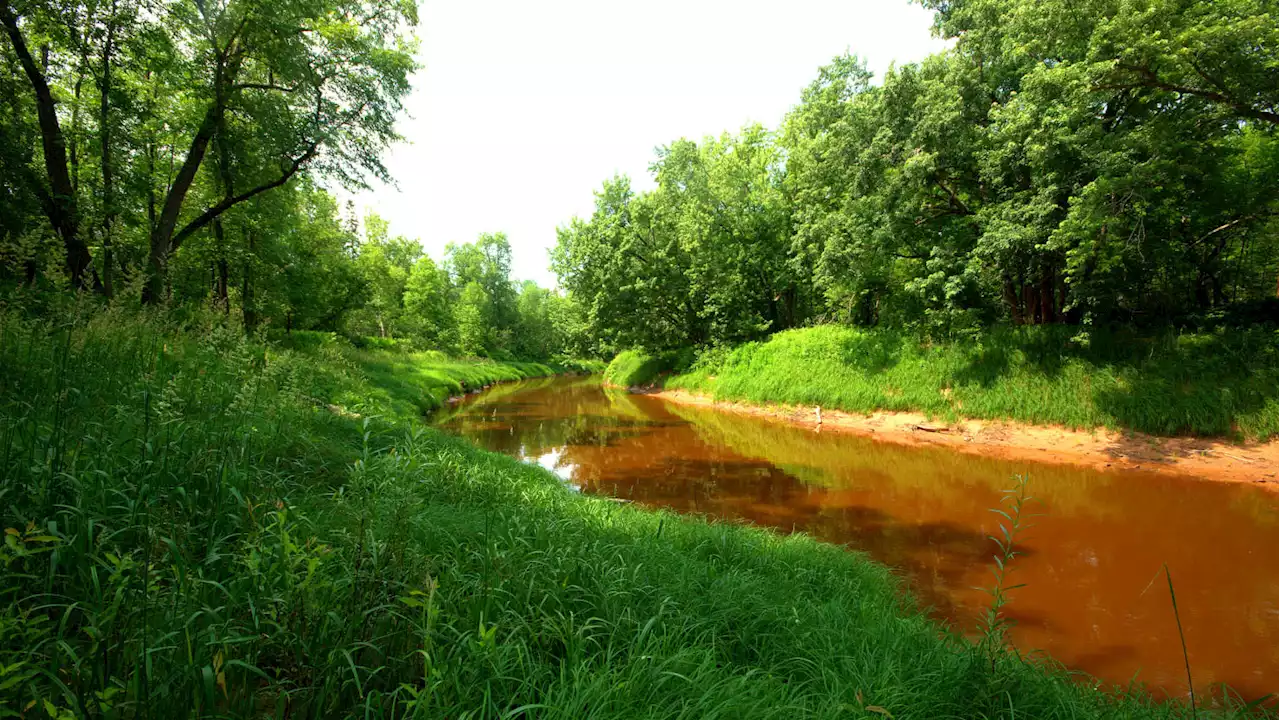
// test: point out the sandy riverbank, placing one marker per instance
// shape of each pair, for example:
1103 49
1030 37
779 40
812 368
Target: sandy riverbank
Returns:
1211 459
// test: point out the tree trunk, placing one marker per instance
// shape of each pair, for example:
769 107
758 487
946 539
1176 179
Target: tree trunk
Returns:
220 288
1047 314
61 208
226 178
1202 291
1011 301
167 223
1061 280
247 302
788 315
75 131
104 131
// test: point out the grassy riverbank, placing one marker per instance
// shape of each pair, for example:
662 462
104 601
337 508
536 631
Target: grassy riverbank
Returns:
198 524
1214 384
408 382
632 368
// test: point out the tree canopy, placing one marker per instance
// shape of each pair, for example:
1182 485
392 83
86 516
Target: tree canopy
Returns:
1106 161
180 151
1111 161
162 122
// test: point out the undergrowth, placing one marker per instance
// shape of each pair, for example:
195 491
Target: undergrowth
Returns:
202 526
1222 383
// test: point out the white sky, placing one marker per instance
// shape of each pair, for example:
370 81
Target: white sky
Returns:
523 109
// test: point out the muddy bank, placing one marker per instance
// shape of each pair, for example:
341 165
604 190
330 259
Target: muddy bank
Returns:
1211 459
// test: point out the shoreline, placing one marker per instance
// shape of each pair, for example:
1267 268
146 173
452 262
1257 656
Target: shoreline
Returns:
1101 449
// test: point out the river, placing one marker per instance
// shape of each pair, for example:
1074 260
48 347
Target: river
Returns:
1094 598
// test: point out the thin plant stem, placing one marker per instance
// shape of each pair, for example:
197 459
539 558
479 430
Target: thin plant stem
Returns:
1186 660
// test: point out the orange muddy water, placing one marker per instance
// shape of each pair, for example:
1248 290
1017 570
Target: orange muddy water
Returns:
1095 596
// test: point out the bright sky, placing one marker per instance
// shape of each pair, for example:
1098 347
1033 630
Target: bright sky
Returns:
523 109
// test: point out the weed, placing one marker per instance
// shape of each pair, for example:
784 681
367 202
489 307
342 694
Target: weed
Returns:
995 626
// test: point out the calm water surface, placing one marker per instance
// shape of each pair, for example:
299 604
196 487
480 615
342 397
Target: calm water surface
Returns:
1095 598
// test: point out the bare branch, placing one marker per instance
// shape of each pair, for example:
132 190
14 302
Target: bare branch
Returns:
1221 228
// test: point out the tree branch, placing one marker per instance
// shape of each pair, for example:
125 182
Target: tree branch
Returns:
1221 228
263 86
1149 79
208 216
955 199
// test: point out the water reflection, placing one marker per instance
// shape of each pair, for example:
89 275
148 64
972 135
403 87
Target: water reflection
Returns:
1092 598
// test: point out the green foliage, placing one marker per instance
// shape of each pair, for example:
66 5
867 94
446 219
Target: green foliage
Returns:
189 144
1216 383
178 121
426 303
197 524
385 263
472 312
304 340
535 335
703 258
1097 163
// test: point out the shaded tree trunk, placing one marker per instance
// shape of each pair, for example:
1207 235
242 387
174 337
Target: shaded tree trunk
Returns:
1012 301
1030 304
248 302
220 285
75 130
227 179
60 202
104 132
1048 312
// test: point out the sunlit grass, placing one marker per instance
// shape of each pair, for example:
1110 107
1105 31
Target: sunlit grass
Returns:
1223 384
633 368
196 527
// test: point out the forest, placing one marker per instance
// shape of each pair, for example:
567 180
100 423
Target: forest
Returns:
226 485
1118 170
1088 164
183 154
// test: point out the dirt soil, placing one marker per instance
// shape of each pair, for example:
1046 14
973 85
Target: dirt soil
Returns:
1212 459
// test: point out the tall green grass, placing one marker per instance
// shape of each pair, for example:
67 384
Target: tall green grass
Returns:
1218 384
201 526
636 368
